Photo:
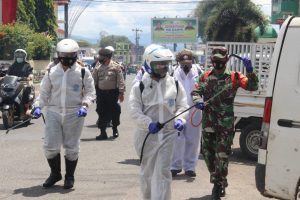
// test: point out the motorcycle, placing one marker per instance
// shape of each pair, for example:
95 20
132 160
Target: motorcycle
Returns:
12 90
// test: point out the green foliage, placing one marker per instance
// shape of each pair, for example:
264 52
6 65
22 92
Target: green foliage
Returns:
46 18
26 13
111 40
20 36
83 43
230 20
40 46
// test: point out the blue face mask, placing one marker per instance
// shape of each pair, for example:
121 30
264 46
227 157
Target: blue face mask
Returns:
20 60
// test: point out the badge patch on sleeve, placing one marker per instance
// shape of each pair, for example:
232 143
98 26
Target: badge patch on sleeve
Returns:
171 102
76 88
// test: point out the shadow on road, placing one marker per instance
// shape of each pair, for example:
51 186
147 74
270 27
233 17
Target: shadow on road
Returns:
206 197
111 138
237 157
37 191
130 162
92 126
15 124
184 177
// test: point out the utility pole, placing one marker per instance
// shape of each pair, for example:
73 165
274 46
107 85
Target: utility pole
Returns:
137 37
66 20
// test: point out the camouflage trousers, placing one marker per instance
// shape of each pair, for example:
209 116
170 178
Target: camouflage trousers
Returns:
216 148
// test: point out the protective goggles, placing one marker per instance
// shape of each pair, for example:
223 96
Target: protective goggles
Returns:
20 55
219 51
67 55
186 58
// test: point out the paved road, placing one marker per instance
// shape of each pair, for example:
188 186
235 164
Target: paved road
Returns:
106 170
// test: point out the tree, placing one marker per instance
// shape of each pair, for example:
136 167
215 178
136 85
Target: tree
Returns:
21 36
231 20
45 17
26 13
202 12
111 40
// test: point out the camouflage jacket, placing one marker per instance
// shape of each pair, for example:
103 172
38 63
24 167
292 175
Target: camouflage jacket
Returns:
218 91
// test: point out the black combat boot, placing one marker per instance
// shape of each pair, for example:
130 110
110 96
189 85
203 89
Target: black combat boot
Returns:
115 132
222 191
55 174
216 195
69 177
103 134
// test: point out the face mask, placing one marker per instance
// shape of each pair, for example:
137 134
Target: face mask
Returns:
20 60
186 68
101 61
68 61
218 65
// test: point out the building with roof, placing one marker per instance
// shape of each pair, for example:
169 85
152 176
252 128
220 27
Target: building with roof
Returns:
269 35
281 9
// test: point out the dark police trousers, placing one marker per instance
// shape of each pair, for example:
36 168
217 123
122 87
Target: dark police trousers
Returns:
108 108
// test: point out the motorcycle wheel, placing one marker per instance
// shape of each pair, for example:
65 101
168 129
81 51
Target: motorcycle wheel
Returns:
8 118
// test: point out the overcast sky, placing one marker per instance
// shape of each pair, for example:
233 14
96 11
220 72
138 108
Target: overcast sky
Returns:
121 18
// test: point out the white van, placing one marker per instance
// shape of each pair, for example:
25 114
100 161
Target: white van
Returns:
278 170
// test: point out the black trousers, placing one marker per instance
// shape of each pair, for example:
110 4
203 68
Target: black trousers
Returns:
108 108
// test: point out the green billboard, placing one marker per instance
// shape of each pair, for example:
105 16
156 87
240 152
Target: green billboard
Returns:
174 30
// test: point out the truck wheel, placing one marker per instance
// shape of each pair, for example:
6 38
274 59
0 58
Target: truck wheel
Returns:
250 139
8 118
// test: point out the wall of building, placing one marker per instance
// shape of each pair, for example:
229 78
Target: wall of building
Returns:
0 11
281 9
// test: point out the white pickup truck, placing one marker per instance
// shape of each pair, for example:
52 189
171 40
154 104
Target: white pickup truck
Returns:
248 106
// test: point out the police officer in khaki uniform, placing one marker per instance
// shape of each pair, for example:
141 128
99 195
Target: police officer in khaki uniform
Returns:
110 86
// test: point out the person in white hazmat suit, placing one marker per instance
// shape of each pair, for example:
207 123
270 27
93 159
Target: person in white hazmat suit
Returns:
187 145
160 100
66 96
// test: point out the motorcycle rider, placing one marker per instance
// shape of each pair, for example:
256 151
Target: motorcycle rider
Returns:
22 69
161 99
66 93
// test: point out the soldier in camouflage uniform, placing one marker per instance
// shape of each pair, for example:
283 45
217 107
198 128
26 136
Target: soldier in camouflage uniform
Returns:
218 88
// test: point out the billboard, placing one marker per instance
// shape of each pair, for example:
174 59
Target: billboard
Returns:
174 30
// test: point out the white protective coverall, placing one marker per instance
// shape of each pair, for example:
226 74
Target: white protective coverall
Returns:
158 102
187 145
62 94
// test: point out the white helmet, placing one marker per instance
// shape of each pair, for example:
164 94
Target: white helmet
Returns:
67 46
157 54
20 53
67 52
110 48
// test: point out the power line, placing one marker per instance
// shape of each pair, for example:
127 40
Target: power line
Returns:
114 11
144 2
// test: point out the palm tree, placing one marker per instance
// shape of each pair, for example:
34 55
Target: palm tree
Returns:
231 20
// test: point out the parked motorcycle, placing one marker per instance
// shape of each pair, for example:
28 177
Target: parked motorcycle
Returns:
12 89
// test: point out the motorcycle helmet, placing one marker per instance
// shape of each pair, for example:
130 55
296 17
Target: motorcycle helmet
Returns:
20 55
67 52
110 48
219 57
157 60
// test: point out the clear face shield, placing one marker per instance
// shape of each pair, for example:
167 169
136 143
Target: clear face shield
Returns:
160 68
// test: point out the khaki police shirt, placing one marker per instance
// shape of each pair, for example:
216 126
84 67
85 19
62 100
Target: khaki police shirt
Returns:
108 77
